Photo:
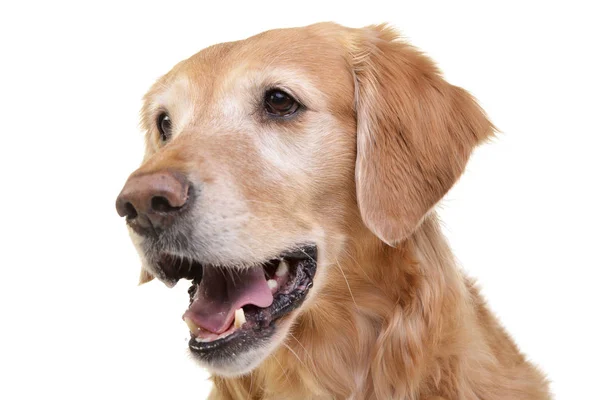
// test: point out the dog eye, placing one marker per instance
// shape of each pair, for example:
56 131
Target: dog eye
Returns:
280 104
164 126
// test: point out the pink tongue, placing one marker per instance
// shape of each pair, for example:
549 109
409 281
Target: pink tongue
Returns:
221 292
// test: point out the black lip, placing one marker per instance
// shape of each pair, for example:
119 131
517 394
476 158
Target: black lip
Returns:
261 322
174 268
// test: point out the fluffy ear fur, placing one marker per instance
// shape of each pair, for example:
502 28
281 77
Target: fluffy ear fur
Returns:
415 133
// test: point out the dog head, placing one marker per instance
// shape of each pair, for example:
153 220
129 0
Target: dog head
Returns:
264 157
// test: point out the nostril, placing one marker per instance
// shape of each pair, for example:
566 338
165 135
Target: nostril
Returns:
153 198
130 211
161 204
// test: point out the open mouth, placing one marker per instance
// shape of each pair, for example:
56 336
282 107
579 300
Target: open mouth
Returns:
233 308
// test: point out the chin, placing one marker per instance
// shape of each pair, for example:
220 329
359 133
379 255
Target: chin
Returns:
230 364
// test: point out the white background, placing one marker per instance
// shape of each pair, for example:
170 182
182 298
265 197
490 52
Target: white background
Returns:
523 220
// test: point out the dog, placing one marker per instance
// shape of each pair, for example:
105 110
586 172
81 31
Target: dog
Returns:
292 177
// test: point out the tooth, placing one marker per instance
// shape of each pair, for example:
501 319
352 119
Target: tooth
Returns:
282 268
272 283
240 318
193 327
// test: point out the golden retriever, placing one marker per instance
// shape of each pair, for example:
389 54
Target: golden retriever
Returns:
292 177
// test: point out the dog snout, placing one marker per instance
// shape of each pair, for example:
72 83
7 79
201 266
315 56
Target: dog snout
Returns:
153 200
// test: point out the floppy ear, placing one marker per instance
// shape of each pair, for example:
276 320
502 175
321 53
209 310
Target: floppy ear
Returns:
145 277
415 132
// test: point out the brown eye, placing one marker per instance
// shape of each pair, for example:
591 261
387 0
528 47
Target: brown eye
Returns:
280 104
164 126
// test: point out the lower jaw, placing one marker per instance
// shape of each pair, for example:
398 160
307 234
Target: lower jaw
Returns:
230 359
257 329
238 353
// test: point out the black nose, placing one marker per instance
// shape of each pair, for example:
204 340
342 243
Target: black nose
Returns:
153 200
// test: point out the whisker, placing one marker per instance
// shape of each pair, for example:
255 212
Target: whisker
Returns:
347 283
304 348
347 253
283 370
302 250
294 353
250 390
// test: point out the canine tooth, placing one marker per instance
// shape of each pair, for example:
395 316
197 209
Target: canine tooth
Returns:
282 268
240 318
272 283
191 325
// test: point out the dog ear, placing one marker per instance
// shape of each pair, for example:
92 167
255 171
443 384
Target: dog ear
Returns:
415 132
145 276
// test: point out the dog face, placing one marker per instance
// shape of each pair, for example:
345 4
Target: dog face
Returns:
266 158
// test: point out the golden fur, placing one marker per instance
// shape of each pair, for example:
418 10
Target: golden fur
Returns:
384 137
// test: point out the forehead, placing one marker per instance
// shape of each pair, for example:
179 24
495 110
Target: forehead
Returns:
311 59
